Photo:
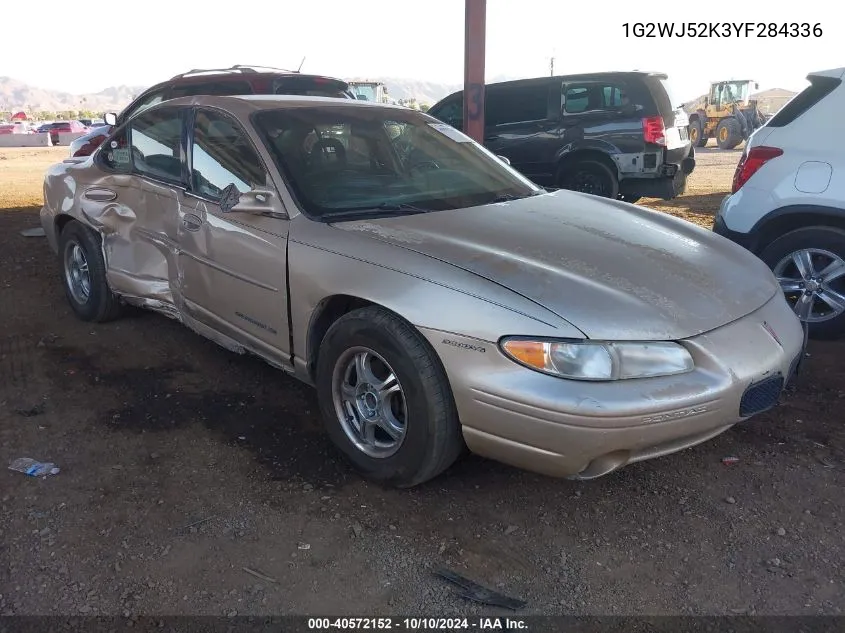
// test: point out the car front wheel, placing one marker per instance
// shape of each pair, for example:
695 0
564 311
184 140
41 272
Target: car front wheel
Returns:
385 399
84 275
810 266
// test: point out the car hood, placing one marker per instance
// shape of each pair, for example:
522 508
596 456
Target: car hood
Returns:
615 271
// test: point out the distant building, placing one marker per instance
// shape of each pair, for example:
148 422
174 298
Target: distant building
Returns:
770 101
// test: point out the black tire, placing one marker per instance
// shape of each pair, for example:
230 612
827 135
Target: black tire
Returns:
728 133
815 237
589 176
432 440
625 197
696 133
102 304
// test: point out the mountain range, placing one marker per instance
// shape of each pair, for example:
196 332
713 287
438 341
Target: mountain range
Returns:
17 95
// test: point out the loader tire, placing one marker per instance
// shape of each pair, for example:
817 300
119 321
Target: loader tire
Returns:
728 133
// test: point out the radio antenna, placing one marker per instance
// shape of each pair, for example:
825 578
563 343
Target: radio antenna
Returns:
300 65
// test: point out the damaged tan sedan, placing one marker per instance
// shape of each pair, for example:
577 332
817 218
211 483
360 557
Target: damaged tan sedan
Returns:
434 297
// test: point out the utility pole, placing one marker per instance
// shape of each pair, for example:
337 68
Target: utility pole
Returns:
552 67
475 33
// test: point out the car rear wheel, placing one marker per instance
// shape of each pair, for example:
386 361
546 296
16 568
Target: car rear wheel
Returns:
810 267
385 399
728 133
590 177
696 133
84 275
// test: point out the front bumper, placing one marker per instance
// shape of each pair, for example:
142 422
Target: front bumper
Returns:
584 430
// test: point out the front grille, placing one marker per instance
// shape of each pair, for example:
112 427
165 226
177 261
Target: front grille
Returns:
761 396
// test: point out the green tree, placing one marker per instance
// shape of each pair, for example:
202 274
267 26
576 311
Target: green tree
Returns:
424 107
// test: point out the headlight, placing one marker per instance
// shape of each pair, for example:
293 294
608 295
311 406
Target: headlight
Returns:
593 360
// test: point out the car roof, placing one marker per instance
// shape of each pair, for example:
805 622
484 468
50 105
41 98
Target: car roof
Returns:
835 73
608 74
244 103
236 73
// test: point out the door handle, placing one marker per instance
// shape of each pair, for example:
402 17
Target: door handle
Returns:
99 194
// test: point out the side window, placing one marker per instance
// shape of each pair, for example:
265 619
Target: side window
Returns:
613 97
577 99
214 88
517 104
451 113
155 141
222 155
145 102
714 94
149 145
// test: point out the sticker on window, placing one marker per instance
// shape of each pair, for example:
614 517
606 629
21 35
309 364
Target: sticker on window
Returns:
120 156
452 133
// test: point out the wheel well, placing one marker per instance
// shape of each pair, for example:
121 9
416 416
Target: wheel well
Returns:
62 221
325 314
693 117
780 226
583 155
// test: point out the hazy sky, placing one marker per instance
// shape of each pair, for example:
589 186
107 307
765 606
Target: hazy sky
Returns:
144 42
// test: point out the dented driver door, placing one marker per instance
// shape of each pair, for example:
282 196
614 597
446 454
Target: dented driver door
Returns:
232 266
135 206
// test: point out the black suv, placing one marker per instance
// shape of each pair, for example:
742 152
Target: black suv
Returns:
616 135
237 80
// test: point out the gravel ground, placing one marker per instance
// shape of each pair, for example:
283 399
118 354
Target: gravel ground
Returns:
195 481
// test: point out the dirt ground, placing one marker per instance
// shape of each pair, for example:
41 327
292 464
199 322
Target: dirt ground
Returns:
195 481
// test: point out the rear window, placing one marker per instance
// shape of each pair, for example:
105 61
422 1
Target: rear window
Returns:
818 89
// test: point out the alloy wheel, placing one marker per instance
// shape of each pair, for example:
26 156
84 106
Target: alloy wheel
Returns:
369 402
813 281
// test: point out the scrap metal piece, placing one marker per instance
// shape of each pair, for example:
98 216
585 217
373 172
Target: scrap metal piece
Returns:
475 592
36 232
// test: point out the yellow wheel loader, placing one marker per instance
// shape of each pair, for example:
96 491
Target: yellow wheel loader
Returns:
726 114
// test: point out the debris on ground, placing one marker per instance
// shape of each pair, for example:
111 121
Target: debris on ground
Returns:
511 529
730 500
33 468
258 574
195 523
36 232
357 530
475 592
727 461
30 412
303 546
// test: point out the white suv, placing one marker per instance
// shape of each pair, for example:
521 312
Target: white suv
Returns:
788 202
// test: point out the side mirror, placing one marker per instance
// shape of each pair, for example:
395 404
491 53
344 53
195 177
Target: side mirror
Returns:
258 201
504 159
110 118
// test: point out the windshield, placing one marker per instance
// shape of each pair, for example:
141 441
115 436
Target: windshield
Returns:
735 91
355 160
365 91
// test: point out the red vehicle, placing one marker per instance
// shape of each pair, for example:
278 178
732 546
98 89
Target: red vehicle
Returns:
237 80
65 127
